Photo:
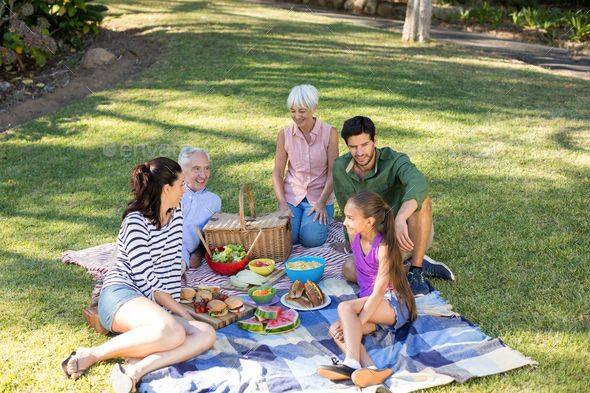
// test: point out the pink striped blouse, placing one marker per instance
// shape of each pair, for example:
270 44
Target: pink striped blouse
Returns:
307 170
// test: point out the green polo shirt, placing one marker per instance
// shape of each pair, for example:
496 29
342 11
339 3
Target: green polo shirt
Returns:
394 177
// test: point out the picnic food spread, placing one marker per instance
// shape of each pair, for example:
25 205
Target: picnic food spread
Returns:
262 295
271 320
234 304
200 297
303 265
308 295
216 308
246 277
305 268
232 252
262 266
187 294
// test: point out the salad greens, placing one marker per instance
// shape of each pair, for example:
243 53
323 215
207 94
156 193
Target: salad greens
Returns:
232 252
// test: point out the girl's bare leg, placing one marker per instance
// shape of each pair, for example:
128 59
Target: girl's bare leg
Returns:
337 334
352 330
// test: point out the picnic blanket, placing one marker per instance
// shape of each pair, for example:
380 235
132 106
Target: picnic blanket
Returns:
431 351
437 348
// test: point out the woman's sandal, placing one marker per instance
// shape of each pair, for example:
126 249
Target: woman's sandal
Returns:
122 383
64 367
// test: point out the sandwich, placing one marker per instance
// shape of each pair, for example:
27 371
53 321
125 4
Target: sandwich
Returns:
314 293
308 295
296 289
217 308
234 304
204 294
187 294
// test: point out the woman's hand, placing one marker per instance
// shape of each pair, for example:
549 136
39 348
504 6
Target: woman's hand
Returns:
320 212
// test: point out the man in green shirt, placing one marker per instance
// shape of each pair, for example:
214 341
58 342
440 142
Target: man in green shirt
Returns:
393 176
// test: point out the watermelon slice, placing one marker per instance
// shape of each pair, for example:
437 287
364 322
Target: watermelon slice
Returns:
287 320
252 325
267 312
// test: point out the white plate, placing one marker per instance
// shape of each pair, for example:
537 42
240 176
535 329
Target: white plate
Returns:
327 301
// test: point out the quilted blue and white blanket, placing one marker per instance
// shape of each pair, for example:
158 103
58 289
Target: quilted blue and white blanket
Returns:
437 348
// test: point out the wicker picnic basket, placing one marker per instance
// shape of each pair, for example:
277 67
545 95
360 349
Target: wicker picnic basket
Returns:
275 241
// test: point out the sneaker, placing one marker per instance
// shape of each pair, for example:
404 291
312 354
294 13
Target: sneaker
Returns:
432 268
336 371
365 377
418 283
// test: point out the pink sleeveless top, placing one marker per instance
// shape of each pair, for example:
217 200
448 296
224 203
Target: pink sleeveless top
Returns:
366 265
307 169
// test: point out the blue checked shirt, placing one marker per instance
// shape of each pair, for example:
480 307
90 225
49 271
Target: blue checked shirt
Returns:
197 209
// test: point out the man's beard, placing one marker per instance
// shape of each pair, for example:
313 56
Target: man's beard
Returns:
370 158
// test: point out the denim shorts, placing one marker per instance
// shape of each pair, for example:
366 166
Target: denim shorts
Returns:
111 299
402 314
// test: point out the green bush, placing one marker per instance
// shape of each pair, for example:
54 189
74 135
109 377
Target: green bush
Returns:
580 26
32 30
570 25
538 18
483 13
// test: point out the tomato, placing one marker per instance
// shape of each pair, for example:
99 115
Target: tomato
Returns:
200 307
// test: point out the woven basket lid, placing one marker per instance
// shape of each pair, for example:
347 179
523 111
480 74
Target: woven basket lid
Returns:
227 221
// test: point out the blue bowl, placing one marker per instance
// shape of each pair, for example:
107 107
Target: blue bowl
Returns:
314 274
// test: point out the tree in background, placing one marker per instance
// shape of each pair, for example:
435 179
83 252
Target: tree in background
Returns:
418 19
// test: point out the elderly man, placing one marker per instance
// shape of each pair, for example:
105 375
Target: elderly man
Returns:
198 203
393 176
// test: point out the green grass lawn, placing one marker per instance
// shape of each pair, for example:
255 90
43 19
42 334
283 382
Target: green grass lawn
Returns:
505 146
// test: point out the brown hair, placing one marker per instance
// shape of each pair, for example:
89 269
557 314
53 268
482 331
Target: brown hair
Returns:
372 205
147 181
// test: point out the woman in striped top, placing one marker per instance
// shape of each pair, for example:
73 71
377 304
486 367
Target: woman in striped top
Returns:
139 298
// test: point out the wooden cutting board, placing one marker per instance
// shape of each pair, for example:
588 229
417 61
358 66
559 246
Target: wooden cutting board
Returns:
219 322
269 280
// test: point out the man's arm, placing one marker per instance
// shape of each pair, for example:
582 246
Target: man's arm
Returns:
415 184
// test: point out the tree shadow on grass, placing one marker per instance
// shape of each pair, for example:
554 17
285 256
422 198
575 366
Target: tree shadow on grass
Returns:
573 138
256 70
45 291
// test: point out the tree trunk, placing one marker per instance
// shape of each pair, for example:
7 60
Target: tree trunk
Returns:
417 23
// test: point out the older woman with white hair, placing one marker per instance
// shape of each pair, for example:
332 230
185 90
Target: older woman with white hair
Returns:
307 148
198 203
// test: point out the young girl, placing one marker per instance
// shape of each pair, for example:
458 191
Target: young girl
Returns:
385 296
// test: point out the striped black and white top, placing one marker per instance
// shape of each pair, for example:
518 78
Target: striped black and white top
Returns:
149 259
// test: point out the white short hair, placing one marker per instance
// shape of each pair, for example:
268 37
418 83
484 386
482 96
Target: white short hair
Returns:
188 151
303 96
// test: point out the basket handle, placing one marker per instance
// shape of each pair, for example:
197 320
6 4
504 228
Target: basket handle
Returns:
245 188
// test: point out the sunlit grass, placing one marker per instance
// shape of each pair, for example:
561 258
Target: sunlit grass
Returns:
506 148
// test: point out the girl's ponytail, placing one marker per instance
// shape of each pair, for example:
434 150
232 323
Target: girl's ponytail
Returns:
397 272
